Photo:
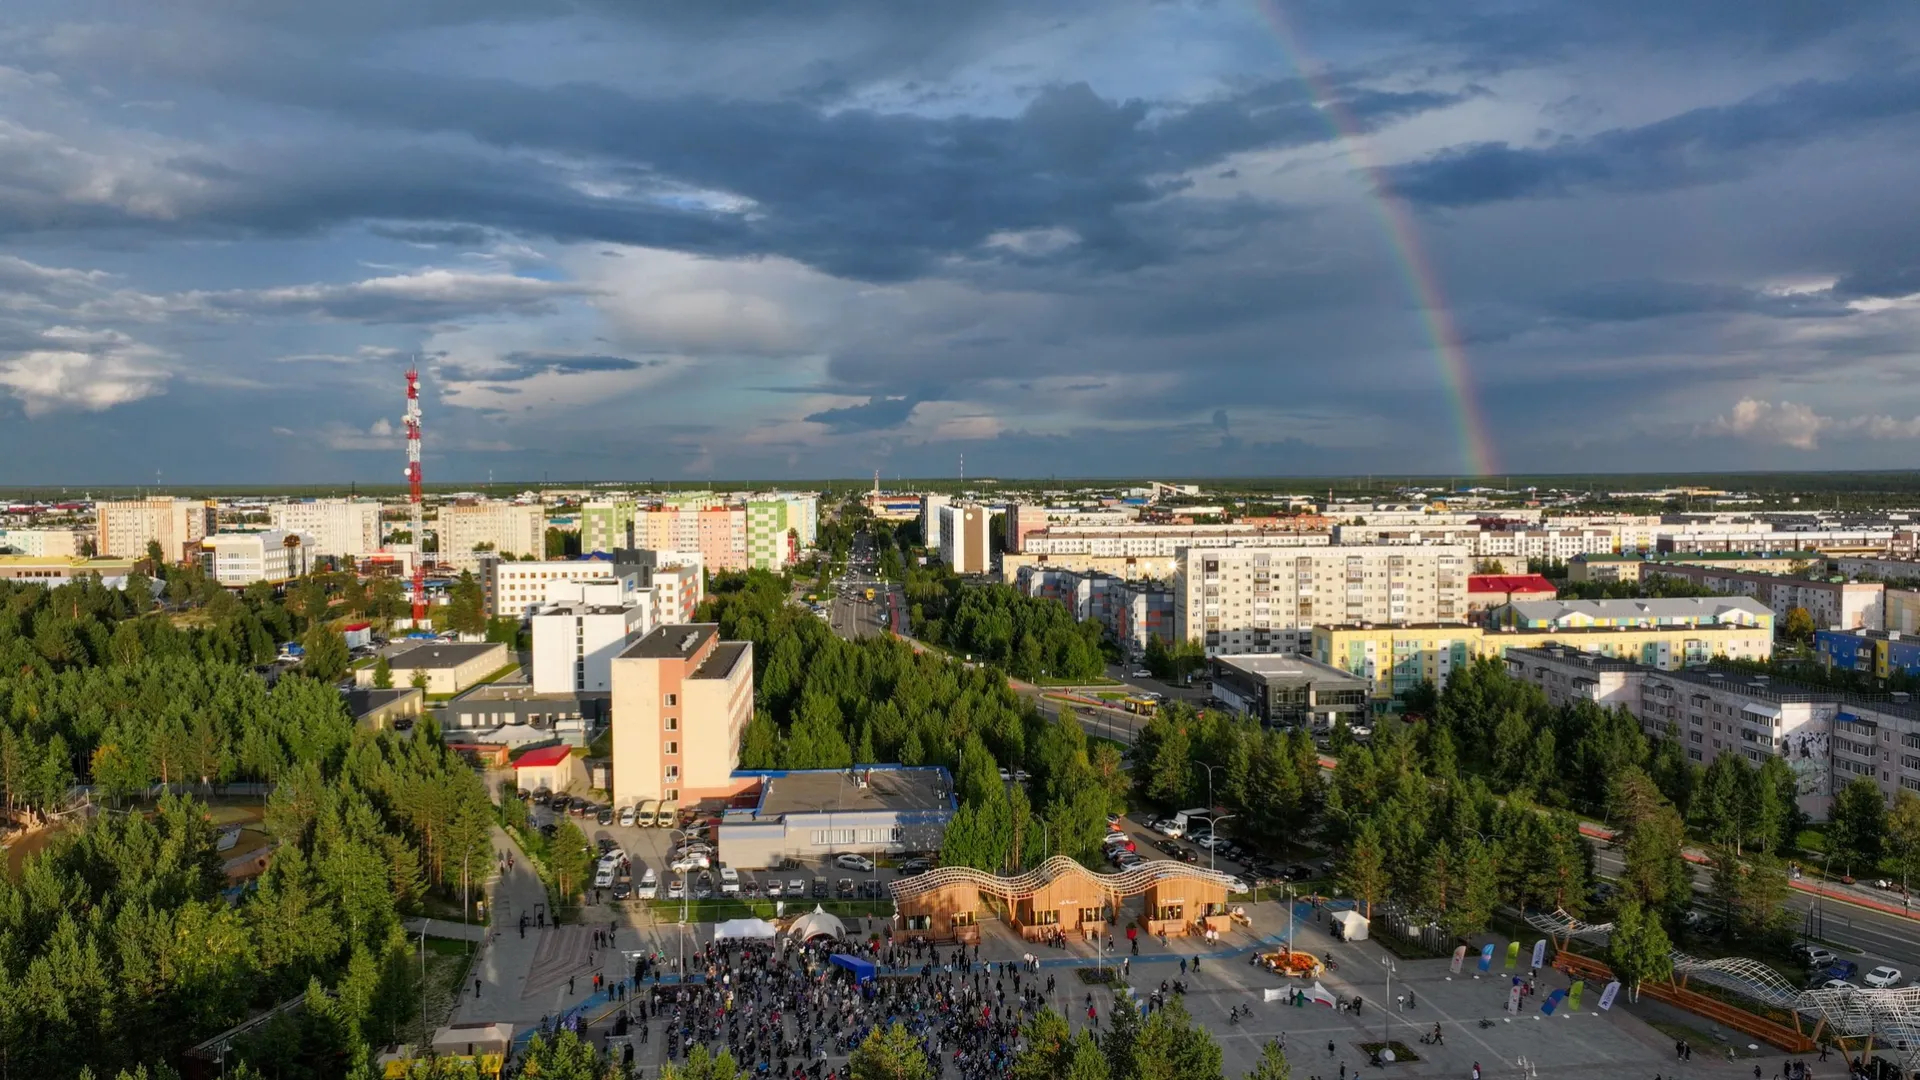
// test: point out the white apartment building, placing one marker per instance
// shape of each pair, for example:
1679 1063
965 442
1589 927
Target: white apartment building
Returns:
237 560
1159 541
576 637
930 507
338 528
1692 537
468 528
44 543
1834 605
677 592
965 545
515 589
124 529
1561 544
1267 599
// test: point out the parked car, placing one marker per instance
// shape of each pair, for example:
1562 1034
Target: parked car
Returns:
676 889
605 816
850 861
796 887
775 889
1838 984
649 887
1167 827
686 863
915 866
1113 822
870 889
1882 977
1140 673
1234 884
846 888
622 890
1210 841
626 818
821 889
729 881
1814 956
702 887
1841 969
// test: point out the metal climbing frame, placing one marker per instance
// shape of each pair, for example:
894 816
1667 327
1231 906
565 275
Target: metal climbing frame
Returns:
1890 1017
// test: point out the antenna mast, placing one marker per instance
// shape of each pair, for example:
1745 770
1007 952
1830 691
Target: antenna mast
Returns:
412 420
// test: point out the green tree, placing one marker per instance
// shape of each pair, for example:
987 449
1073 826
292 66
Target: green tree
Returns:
1047 1050
466 606
1798 626
327 655
1363 870
1750 893
702 1065
1638 949
1903 833
1857 824
890 1053
1272 1064
565 1056
1650 839
418 680
1087 1062
1170 1047
571 861
382 673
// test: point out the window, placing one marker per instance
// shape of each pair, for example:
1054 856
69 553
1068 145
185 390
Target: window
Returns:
672 700
673 748
673 773
671 723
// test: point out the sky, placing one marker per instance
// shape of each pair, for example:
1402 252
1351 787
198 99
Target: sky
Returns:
709 239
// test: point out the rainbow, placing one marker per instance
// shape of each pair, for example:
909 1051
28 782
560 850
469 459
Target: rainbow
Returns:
1396 221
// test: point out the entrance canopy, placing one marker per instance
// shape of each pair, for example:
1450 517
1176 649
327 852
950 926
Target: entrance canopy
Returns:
745 930
862 970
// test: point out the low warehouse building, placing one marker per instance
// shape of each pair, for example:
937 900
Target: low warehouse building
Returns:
449 667
867 810
1289 690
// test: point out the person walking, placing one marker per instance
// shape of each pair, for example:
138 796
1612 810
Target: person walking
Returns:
476 989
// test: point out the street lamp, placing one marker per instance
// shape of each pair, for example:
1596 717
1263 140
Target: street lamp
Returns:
686 890
1213 823
1386 1005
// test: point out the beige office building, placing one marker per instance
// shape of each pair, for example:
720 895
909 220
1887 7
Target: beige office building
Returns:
469 528
964 544
1268 599
682 699
337 528
124 529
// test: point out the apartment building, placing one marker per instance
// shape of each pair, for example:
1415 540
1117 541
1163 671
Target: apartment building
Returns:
45 543
1160 541
1267 599
1765 538
1131 612
1878 653
516 589
467 529
334 528
1561 544
1632 567
1835 604
1683 611
237 560
930 507
606 525
1399 658
965 545
576 636
682 699
124 529
770 543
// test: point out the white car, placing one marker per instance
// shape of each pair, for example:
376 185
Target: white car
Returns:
676 888
729 881
1234 884
797 888
1210 841
691 861
1882 977
1141 673
1168 828
604 878
851 861
775 889
649 885
613 854
626 818
1838 984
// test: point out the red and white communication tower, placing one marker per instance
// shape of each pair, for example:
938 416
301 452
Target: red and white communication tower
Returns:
412 420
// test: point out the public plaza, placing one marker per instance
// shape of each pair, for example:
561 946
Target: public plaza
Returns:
548 974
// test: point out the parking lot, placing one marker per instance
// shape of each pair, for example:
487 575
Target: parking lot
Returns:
650 848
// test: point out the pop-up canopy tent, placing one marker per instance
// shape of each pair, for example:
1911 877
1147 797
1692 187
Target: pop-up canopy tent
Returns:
745 930
817 923
1353 925
862 970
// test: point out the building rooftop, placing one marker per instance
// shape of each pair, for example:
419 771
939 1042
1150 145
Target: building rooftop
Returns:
1552 654
1285 666
541 757
720 662
821 791
1506 583
1703 608
675 640
362 702
442 655
1869 635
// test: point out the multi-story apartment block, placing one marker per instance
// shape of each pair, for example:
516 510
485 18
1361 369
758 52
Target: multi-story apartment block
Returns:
1561 544
124 529
965 545
1131 612
1763 538
576 638
606 525
1266 599
682 699
1833 603
467 529
1632 567
45 543
237 560
1878 653
336 528
770 543
930 507
1400 658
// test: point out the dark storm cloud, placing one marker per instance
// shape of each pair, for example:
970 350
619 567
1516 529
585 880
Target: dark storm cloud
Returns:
1630 301
877 414
1699 146
449 235
1886 282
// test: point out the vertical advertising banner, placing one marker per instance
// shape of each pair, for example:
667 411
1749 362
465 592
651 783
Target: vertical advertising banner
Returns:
1486 957
1513 999
1540 953
1553 1001
1573 994
1606 996
1513 954
1459 958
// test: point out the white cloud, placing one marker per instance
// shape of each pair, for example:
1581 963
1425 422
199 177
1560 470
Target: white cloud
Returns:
83 369
421 296
669 301
1790 423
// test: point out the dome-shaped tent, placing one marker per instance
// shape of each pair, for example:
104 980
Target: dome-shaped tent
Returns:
816 923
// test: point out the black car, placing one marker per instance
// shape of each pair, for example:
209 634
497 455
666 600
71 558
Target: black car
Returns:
915 866
606 844
578 807
870 889
1299 872
820 888
605 816
548 829
846 888
622 890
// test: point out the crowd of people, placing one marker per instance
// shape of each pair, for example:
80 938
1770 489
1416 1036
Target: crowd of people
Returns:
785 1011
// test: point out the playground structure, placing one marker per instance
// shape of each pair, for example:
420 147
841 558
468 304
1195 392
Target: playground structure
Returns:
1854 1019
1293 965
1062 896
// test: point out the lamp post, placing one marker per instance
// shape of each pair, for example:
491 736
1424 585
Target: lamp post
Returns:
1209 769
1212 821
686 890
1386 1005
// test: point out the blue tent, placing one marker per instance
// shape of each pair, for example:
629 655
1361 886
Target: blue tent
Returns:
862 970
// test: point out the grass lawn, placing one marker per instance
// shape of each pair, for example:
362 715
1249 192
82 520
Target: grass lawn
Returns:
500 674
446 968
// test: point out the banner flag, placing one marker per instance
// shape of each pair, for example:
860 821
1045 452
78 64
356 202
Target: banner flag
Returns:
1486 957
1573 993
1606 996
1459 958
1540 953
1513 954
1553 1000
1513 999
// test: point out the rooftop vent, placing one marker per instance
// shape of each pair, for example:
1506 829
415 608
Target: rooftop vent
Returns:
687 643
